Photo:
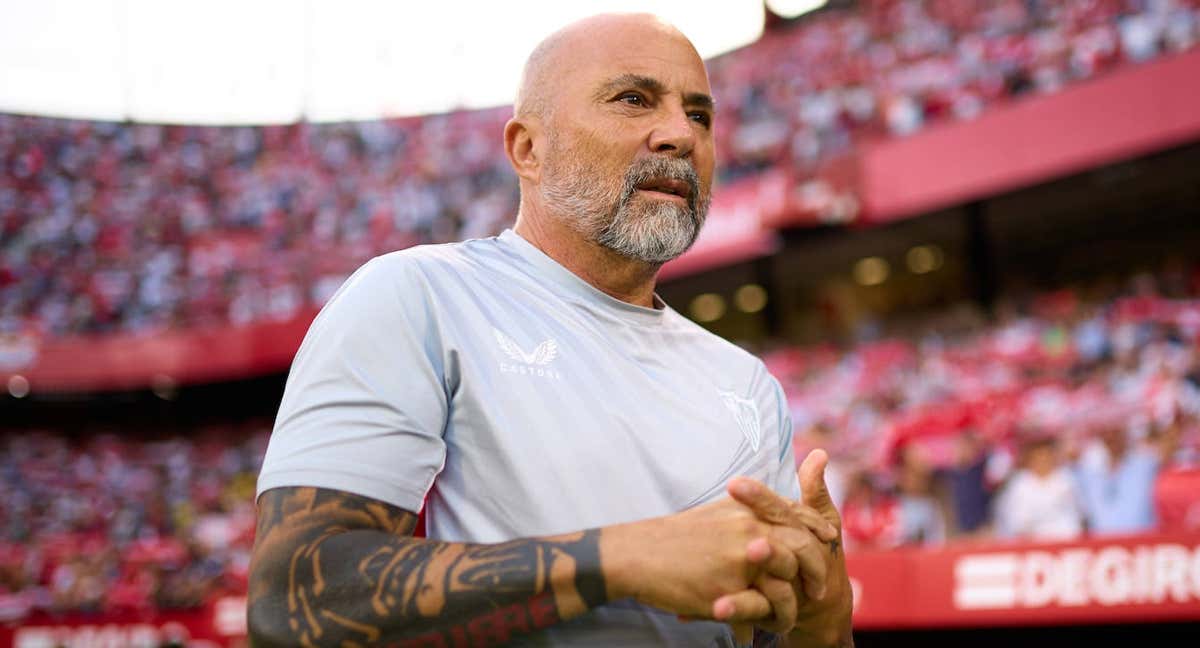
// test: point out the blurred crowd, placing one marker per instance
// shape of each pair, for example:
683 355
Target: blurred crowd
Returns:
1067 415
112 227
893 66
105 522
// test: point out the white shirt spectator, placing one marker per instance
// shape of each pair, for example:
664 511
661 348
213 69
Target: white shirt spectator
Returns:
1044 508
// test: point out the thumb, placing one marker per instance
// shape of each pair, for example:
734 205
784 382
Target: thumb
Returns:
814 493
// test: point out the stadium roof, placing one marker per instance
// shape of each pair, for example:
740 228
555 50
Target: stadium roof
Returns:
280 61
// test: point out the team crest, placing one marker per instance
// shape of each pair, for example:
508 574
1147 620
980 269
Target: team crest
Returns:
745 412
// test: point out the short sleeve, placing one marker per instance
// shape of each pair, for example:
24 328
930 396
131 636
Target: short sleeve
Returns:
365 405
786 483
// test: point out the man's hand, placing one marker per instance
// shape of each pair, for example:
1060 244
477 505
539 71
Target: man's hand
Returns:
821 586
792 557
684 562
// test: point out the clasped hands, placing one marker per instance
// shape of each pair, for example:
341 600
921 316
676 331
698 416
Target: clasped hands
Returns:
754 559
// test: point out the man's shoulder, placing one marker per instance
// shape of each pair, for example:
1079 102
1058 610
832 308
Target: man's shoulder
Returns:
456 256
435 266
417 274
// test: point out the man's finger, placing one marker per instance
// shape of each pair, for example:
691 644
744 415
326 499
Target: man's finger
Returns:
767 505
812 485
770 507
784 605
810 558
776 560
758 550
746 605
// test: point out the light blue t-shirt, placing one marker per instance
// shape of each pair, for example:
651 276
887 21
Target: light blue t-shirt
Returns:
1120 499
525 402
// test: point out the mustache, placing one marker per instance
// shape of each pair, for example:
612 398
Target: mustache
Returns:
663 167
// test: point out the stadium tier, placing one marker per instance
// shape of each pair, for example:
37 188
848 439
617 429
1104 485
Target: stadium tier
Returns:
112 228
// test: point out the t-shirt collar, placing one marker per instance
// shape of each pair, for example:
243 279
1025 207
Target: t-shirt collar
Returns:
576 285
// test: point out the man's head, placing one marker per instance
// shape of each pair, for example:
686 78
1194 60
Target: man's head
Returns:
612 135
1041 455
1115 438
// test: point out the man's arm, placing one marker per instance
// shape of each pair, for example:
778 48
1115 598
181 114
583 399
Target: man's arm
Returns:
333 568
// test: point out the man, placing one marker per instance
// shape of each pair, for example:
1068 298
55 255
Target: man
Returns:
1041 501
573 436
1116 480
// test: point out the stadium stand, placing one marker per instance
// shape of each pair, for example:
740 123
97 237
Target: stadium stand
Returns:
955 415
108 523
113 227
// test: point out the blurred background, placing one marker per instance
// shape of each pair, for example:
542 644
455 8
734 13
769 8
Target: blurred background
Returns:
964 234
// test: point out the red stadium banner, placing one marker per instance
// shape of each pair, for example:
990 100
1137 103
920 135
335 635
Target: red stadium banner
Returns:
129 361
1141 579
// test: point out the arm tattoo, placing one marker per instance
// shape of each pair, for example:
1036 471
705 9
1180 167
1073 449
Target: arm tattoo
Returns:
337 569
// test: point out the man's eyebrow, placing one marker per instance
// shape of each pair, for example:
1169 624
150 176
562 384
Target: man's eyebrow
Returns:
699 100
652 86
629 80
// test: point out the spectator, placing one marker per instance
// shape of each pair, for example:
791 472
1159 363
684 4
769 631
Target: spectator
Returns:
1041 501
1117 481
920 519
870 516
967 484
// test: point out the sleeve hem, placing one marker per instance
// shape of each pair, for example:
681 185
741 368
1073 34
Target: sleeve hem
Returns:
409 497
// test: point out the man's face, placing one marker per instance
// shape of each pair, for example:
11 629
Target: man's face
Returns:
1043 459
629 155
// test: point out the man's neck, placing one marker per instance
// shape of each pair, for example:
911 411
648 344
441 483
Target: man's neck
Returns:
615 275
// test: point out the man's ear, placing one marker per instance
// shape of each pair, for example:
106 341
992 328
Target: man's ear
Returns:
519 146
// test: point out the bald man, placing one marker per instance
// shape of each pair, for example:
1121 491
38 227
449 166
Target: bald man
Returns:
596 469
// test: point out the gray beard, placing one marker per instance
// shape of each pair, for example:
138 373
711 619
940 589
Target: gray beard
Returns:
653 232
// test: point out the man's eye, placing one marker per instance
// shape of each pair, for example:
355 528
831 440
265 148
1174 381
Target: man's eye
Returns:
632 98
702 118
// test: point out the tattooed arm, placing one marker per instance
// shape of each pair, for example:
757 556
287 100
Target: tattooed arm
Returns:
336 569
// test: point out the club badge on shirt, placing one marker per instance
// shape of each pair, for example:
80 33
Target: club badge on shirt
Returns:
745 411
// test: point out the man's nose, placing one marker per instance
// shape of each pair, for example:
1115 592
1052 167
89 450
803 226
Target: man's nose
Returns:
674 134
